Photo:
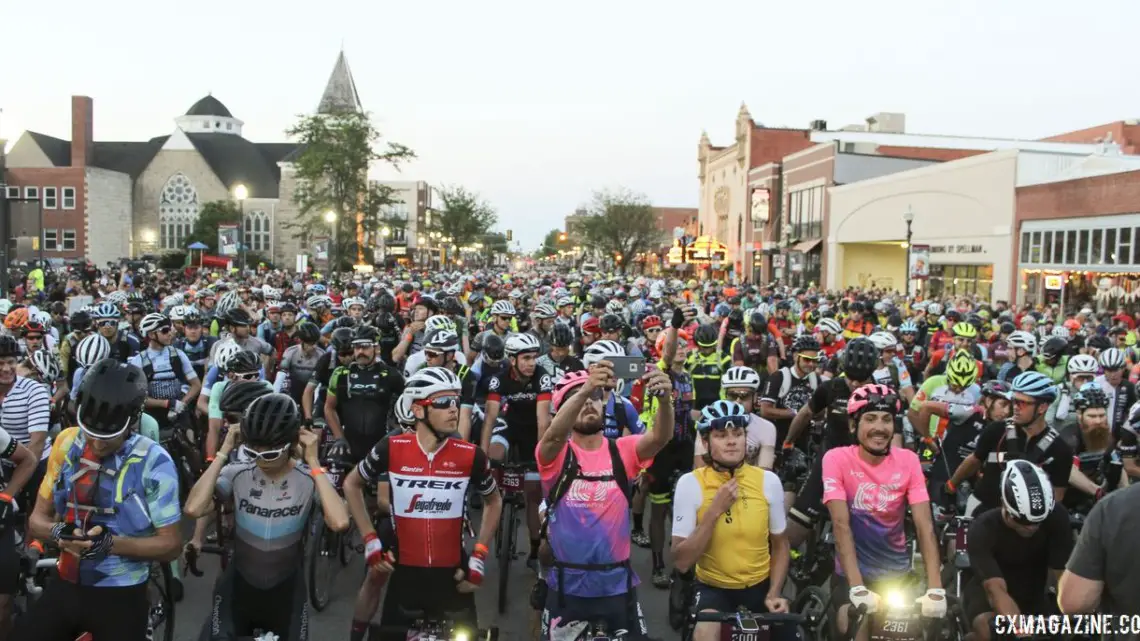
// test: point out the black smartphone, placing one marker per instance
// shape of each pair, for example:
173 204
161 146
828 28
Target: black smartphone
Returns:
72 537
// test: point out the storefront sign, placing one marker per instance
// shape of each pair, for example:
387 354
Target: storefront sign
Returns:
760 207
228 240
796 262
957 249
1054 281
919 262
778 260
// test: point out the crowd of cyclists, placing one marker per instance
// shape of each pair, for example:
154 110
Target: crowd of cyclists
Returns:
816 454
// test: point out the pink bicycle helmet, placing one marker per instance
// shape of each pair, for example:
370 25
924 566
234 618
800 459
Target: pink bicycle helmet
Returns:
566 386
873 398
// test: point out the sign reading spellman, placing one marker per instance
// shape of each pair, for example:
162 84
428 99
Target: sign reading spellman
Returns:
957 249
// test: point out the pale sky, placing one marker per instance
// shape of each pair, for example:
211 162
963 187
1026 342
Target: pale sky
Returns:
535 105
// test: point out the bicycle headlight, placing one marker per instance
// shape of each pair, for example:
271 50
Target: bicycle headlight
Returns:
461 635
895 600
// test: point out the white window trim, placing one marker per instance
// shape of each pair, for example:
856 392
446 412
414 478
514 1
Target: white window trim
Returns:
55 233
63 240
54 197
63 198
32 192
12 192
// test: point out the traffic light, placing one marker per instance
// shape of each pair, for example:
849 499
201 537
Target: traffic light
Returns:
510 235
562 237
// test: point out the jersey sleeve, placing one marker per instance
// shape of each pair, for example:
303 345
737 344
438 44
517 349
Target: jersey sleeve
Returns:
376 463
39 409
819 399
481 478
337 381
988 440
774 493
627 446
162 489
833 476
686 502
7 445
771 393
215 406
225 487
493 387
55 461
187 366
545 388
633 418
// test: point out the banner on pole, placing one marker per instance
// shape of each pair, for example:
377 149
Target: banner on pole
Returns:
228 240
919 262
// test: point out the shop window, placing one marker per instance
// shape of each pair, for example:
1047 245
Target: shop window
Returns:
1083 247
1059 247
1047 248
1070 247
1110 252
1124 255
1035 248
1136 247
1025 247
1096 256
950 281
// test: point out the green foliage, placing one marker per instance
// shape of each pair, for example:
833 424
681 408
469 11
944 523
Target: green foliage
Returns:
212 214
332 175
463 216
621 222
550 244
173 260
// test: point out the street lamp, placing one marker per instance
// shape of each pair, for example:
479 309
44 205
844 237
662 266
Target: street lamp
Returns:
385 232
240 194
330 218
908 217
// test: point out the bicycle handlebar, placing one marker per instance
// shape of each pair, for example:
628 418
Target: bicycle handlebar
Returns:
192 554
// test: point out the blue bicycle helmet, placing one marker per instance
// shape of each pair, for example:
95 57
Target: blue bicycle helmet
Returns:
908 327
1035 385
718 416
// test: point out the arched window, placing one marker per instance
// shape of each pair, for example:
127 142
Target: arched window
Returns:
257 234
177 212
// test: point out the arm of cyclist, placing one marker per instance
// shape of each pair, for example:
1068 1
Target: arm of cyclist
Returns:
39 420
200 501
491 415
331 418
804 417
369 471
553 441
484 483
336 515
25 461
1082 483
1082 582
658 383
692 537
307 399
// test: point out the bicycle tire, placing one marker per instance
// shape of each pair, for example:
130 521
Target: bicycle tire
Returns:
805 599
506 554
346 545
167 580
317 545
223 534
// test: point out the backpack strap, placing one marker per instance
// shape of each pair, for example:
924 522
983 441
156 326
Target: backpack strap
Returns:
620 477
621 417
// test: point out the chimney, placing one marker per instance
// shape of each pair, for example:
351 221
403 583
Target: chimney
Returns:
82 131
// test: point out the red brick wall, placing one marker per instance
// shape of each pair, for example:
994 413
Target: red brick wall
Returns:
771 145
1127 136
58 177
926 153
805 168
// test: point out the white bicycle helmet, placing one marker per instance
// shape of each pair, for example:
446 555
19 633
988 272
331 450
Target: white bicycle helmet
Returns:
47 364
1082 364
934 309
740 377
436 323
1112 358
92 349
152 323
224 352
228 301
349 302
442 340
502 308
521 343
615 307
543 311
403 410
830 326
430 380
177 312
600 351
1060 331
1026 492
1023 340
884 340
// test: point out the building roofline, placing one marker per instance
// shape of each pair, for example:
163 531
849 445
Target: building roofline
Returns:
938 141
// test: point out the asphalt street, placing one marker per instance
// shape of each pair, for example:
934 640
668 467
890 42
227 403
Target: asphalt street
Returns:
333 623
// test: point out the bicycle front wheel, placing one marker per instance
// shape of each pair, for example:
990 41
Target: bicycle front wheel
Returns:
161 613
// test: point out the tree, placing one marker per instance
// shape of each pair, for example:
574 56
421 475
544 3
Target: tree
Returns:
337 151
210 216
621 225
551 244
464 216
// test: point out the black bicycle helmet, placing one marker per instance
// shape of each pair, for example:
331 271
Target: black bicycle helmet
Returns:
341 339
1054 347
9 347
238 395
1007 328
611 323
239 317
494 347
289 307
757 323
451 305
706 335
598 302
365 335
385 302
271 420
136 307
1098 342
805 343
308 333
80 320
1090 396
561 335
111 397
407 288
243 362
736 319
429 303
860 359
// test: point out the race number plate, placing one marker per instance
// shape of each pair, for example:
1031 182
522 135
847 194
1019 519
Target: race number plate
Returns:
763 634
512 480
896 626
960 536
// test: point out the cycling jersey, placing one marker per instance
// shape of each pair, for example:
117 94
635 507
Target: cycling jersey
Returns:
299 367
427 494
706 370
518 401
832 396
270 515
786 389
364 397
614 422
1046 449
753 350
960 404
959 440
856 329
737 555
557 369
198 353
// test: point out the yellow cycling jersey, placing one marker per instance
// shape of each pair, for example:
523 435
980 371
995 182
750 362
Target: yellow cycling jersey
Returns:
737 556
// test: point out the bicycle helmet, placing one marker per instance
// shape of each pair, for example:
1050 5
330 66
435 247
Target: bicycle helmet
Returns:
354 301
451 305
1022 340
543 311
239 394
965 330
177 312
873 398
566 386
860 359
1007 328
272 419
600 351
494 348
883 340
1054 347
1098 342
80 321
153 323
341 339
522 343
223 353
434 323
46 364
830 326
365 335
385 302
1060 331
227 303
429 381
243 362
1090 396
308 333
995 389
805 343
615 307
1026 492
934 309
591 326
561 335
89 351
502 308
739 376
16 319
1112 358
564 301
442 340
962 370
110 398
651 321
1035 385
721 415
907 327
611 323
706 335
344 321
238 317
1082 364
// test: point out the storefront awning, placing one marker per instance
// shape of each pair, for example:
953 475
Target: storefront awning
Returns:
807 245
707 248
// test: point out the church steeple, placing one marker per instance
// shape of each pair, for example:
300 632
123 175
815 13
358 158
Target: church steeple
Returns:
340 94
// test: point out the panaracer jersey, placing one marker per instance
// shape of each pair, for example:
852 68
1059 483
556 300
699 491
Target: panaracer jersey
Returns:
737 555
427 495
143 492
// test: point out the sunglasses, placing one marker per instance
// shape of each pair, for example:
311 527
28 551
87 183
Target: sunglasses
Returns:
1017 402
653 330
268 455
165 330
108 323
428 354
247 376
441 402
808 357
739 396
